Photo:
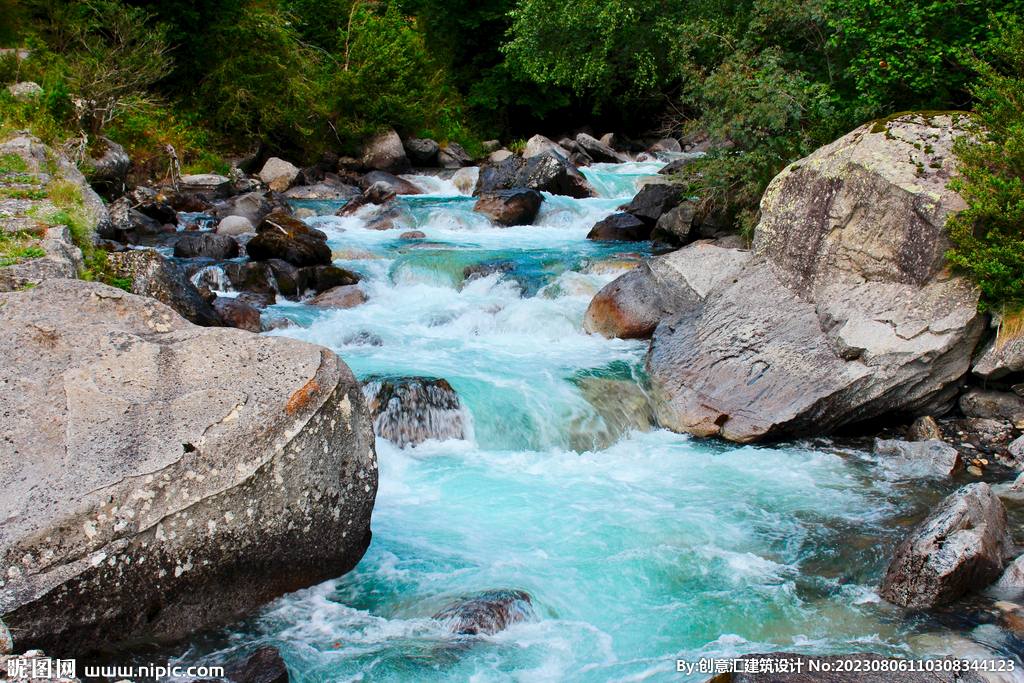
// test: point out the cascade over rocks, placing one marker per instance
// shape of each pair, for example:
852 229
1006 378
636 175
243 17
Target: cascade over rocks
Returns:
847 311
632 305
963 545
409 410
202 472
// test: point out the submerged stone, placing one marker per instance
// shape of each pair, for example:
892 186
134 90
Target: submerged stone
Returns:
487 613
409 410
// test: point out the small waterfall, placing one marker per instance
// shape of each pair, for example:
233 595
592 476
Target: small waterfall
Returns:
213 277
410 410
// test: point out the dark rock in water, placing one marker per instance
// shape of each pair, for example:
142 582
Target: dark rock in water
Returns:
410 410
205 245
963 545
453 156
321 191
154 276
238 314
476 271
620 227
257 301
487 613
676 226
546 172
413 235
422 152
364 338
253 206
379 193
289 280
286 238
321 278
993 405
264 666
855 668
399 185
253 276
510 207
653 201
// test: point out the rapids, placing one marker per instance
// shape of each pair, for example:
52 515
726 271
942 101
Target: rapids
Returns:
638 546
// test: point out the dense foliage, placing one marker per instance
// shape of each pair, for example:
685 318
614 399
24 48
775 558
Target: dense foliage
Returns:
989 236
770 79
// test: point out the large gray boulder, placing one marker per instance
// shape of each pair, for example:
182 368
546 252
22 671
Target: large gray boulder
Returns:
600 151
385 153
963 545
847 311
278 174
546 172
632 305
1001 356
539 144
159 477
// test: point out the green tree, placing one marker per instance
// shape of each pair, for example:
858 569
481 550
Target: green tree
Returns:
989 235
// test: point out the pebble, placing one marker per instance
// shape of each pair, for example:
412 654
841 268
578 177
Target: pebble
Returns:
974 470
1006 606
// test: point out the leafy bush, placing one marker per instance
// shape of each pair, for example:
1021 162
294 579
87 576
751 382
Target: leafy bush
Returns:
989 235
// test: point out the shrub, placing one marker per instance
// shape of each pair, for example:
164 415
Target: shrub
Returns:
989 235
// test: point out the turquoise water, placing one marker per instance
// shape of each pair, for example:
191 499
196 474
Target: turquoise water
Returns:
639 546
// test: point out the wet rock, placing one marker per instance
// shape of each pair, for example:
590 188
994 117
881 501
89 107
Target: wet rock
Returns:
385 153
321 278
352 205
963 545
137 421
510 207
251 276
809 338
653 201
409 410
632 305
322 191
363 338
235 225
345 296
475 271
546 172
399 185
453 156
995 405
207 185
487 613
938 456
924 428
108 171
264 666
676 226
539 144
600 151
278 174
620 227
282 237
271 323
238 314
379 193
466 179
413 235
256 300
152 275
422 152
205 245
